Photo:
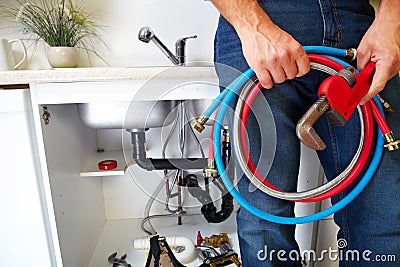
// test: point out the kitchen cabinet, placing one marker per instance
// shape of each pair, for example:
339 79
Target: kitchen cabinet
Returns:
24 240
95 213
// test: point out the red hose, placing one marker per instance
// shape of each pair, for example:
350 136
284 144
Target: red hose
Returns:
368 124
380 119
325 61
245 150
211 147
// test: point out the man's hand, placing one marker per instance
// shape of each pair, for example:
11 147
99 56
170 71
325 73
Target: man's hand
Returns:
381 44
272 53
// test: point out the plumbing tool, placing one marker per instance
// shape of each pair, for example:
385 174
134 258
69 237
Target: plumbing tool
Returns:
160 254
226 257
214 240
339 96
118 261
222 103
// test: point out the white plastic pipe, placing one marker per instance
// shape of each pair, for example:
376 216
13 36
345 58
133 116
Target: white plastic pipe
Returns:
187 255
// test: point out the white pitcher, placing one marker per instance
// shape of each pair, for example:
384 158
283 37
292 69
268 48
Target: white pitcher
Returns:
7 60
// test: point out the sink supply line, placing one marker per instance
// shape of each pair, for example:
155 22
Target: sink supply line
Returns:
337 105
327 190
309 195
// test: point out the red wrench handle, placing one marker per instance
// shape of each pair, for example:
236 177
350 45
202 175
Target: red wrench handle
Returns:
362 85
342 98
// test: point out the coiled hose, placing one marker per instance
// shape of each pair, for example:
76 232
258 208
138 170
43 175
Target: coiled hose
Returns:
222 102
329 189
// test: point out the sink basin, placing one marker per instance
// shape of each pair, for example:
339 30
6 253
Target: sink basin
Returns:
138 114
127 114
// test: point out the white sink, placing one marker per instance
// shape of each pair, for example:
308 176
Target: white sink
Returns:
137 114
127 115
153 99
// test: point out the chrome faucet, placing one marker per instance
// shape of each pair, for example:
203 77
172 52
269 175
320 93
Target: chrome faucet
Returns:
146 35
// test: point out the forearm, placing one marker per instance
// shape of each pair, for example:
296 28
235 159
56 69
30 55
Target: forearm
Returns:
389 10
381 45
243 14
272 53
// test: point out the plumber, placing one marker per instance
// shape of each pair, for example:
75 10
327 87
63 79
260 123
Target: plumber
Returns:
268 36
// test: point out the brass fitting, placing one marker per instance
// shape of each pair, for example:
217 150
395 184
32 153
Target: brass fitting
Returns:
198 124
390 142
351 54
226 136
217 240
210 171
388 108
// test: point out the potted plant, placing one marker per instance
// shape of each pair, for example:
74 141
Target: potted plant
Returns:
63 24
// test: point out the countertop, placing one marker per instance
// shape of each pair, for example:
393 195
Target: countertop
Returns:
104 74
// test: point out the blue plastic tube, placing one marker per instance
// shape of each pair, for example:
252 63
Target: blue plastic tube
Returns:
239 80
324 50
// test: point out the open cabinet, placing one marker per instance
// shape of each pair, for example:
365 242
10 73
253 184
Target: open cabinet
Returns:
89 214
94 213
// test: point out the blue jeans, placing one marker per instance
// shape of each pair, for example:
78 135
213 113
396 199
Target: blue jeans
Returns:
372 220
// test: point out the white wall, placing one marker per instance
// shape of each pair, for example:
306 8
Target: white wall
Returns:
170 20
121 21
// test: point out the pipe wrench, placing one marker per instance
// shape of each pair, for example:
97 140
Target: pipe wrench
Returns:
339 96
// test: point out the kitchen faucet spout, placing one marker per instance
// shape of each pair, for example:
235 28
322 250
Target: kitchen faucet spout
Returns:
146 34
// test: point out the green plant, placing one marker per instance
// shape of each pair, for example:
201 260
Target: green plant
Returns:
57 22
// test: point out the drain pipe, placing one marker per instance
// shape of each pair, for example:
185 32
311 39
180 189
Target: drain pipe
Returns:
150 164
208 209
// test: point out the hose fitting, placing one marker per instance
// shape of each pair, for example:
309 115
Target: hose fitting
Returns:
217 240
386 105
351 54
390 141
211 170
198 124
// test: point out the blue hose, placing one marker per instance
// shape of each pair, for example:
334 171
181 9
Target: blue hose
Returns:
343 63
231 90
324 50
239 80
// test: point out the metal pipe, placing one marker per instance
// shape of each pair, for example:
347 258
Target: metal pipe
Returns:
150 164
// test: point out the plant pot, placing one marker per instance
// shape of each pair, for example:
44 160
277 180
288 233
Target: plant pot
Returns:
63 57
